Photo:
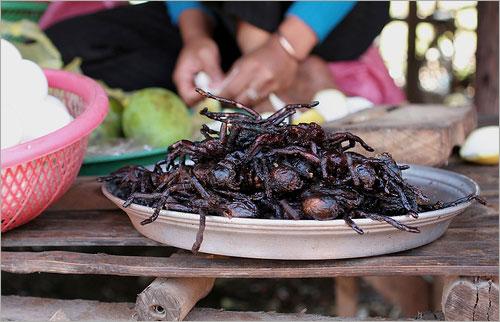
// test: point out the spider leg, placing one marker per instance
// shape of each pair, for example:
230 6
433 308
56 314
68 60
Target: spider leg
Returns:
301 105
350 166
314 148
339 137
257 146
279 116
233 135
293 214
388 220
288 110
255 114
178 207
324 167
207 132
402 196
182 148
138 195
158 206
297 150
199 235
223 137
464 199
226 117
263 173
348 220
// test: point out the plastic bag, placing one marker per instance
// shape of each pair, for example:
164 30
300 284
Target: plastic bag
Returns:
367 77
32 43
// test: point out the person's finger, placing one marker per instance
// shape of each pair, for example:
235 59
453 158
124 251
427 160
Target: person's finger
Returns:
258 90
211 65
184 81
240 77
227 80
183 78
190 96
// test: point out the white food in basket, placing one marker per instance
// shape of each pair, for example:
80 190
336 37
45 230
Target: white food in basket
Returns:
54 115
27 111
10 131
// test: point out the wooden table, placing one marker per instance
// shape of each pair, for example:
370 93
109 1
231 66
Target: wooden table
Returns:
466 256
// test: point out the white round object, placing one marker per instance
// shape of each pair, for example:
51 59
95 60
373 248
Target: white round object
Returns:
215 125
56 103
202 80
482 145
11 126
9 52
47 116
357 103
332 104
11 58
30 83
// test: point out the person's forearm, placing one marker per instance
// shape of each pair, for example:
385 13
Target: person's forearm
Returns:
194 23
250 37
299 35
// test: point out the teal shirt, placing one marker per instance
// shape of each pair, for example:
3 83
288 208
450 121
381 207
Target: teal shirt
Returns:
321 16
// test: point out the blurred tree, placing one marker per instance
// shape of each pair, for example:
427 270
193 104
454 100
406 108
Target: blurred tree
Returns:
486 96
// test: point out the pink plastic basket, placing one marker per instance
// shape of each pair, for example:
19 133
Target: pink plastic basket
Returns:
38 172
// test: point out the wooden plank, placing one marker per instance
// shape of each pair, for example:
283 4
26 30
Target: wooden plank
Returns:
84 194
203 314
471 299
20 308
215 266
171 299
24 308
77 228
113 228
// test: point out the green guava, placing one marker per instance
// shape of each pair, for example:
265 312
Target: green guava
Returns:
111 127
156 117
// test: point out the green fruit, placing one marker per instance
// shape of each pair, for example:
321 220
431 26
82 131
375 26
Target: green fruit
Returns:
156 117
111 127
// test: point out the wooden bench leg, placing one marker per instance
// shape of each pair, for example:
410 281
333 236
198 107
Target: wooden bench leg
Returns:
346 296
171 299
470 299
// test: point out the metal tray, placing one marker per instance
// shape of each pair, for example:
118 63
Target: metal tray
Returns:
310 239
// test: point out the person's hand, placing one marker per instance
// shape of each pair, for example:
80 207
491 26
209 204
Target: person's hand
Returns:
198 54
263 71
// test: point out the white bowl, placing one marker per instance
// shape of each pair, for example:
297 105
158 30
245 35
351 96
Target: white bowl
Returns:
309 239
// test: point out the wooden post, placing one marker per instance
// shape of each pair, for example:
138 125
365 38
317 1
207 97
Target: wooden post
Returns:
346 296
412 90
486 97
437 285
470 299
171 299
